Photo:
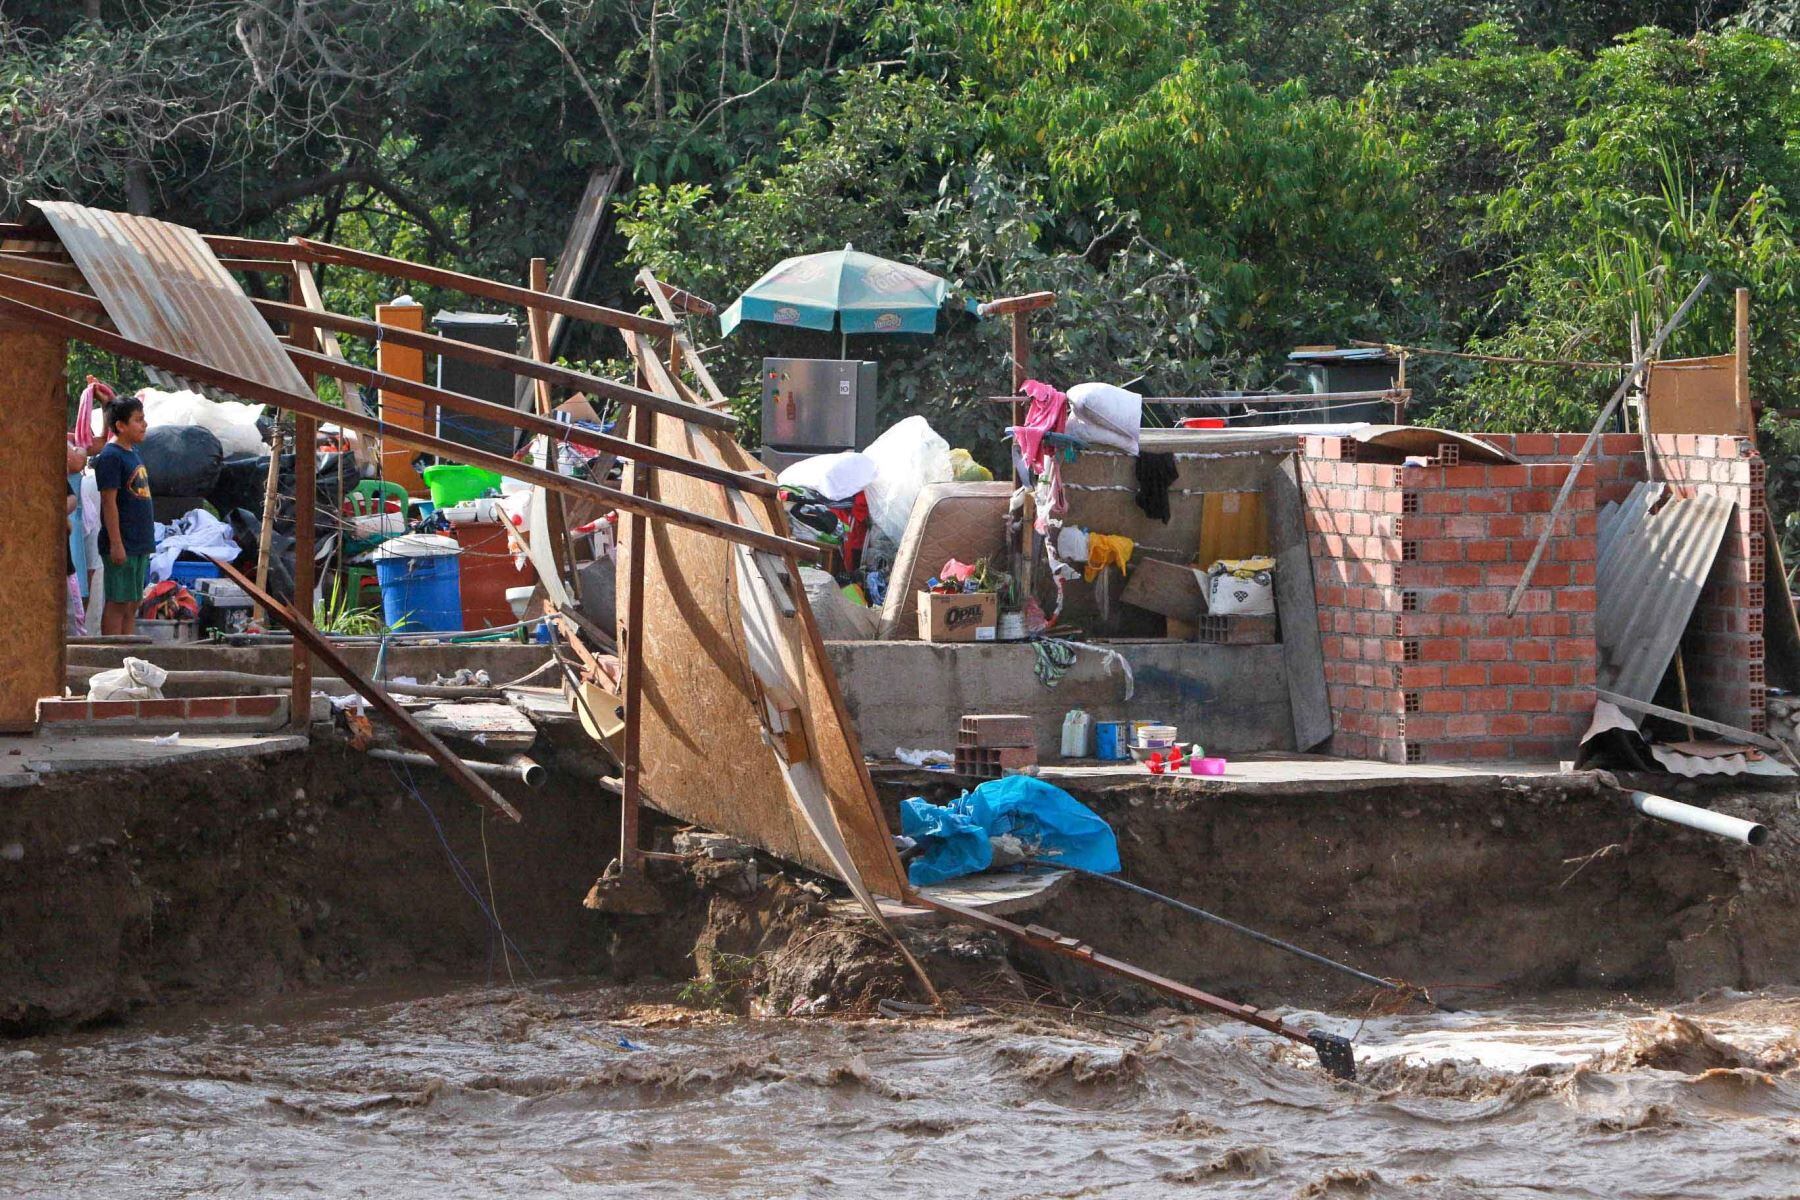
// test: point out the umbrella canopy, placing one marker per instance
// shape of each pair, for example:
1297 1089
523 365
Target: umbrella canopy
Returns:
846 288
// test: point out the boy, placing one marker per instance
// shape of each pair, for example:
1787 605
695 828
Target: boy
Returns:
127 526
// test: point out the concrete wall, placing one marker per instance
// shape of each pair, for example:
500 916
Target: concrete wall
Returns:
1231 699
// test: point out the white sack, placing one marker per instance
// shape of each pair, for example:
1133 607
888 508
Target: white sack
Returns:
1103 415
135 680
834 476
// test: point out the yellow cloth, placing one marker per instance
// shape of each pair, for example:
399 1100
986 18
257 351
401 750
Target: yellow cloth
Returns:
1104 550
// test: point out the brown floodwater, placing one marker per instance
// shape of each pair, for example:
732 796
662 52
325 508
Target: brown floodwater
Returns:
594 1092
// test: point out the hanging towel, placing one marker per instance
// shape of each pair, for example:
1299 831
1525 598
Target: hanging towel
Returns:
1104 550
1155 472
1049 409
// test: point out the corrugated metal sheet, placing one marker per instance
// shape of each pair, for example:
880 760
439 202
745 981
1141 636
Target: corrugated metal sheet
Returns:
1652 567
162 286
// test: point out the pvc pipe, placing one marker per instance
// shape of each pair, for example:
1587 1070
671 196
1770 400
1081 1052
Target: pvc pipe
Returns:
518 766
1703 819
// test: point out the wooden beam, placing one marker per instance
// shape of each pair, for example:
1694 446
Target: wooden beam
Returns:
306 502
658 291
1007 305
262 393
537 320
1759 740
1593 439
474 285
60 274
577 253
350 372
1746 410
306 638
267 266
518 364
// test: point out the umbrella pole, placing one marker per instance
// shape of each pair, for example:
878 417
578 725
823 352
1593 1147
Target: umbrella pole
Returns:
843 343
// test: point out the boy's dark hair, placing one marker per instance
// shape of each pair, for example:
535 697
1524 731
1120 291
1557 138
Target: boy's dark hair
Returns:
121 408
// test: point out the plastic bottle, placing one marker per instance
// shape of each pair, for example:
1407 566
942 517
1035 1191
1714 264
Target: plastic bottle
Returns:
1076 730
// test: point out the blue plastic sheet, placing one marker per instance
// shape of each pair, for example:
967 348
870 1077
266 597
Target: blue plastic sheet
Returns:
1051 823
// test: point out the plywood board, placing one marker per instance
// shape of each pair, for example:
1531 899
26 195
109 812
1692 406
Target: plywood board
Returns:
1232 525
704 755
34 532
1694 395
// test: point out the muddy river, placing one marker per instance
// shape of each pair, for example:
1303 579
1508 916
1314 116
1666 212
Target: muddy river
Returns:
585 1091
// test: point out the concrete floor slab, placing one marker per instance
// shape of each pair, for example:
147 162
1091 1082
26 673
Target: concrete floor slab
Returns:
25 760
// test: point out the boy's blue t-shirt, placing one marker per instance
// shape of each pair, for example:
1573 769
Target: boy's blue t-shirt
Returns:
116 468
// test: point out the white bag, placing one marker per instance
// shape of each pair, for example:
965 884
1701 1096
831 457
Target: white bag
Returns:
907 457
834 476
1246 593
1103 415
135 680
234 424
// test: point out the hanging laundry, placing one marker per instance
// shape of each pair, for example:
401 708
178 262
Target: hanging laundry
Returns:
1049 409
1155 472
1107 550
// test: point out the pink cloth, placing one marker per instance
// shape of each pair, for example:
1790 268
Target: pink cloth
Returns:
1049 409
82 432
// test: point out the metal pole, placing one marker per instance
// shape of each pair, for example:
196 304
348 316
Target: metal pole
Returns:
1248 932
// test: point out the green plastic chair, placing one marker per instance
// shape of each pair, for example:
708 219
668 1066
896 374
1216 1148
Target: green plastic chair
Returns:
370 497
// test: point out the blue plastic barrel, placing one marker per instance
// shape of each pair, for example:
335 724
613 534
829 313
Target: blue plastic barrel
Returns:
1109 741
421 593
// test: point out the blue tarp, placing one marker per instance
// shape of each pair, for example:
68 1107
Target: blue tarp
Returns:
1051 823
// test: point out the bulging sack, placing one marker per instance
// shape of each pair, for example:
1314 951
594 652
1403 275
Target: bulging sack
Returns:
136 679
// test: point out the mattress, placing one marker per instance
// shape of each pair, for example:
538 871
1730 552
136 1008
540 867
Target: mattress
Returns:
965 521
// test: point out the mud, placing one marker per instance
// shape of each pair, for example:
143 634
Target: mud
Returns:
573 1090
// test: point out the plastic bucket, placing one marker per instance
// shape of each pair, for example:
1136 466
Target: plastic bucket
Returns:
452 483
1109 740
421 593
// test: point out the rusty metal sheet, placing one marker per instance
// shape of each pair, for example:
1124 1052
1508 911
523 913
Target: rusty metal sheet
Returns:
162 286
1653 565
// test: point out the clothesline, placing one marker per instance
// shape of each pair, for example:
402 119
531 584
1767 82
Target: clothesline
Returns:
1505 359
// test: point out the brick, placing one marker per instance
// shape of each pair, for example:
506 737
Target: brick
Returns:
1532 445
1487 650
112 710
1513 476
201 707
1530 700
62 710
1510 673
1465 675
1441 502
1488 503
258 706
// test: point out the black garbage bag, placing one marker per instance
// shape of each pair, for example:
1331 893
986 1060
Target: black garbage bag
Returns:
181 460
246 531
242 480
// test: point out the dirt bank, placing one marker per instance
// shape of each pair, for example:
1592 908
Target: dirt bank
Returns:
1519 886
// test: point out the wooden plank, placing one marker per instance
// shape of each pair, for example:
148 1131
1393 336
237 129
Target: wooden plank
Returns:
1232 525
436 398
572 264
660 296
34 531
474 285
1746 407
1781 627
387 333
410 730
1630 704
1296 604
312 406
397 359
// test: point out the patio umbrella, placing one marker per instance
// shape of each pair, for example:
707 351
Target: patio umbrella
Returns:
856 292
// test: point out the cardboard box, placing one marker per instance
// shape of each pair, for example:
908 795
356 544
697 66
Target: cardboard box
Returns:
958 617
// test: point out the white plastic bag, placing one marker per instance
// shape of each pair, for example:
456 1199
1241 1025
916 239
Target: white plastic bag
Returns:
1103 415
834 476
907 457
135 680
1242 586
232 423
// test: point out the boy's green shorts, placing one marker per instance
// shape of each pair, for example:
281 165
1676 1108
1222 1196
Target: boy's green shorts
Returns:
125 581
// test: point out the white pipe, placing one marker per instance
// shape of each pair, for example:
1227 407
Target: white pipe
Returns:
517 766
1703 819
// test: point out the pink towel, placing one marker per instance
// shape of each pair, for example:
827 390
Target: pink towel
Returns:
1049 408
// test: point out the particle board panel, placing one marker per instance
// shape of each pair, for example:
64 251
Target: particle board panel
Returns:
1694 395
34 532
704 757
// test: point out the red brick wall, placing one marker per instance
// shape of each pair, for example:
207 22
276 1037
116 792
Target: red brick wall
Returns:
1413 567
1723 650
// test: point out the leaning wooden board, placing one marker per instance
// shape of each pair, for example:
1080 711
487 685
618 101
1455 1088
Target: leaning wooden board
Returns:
34 539
703 754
